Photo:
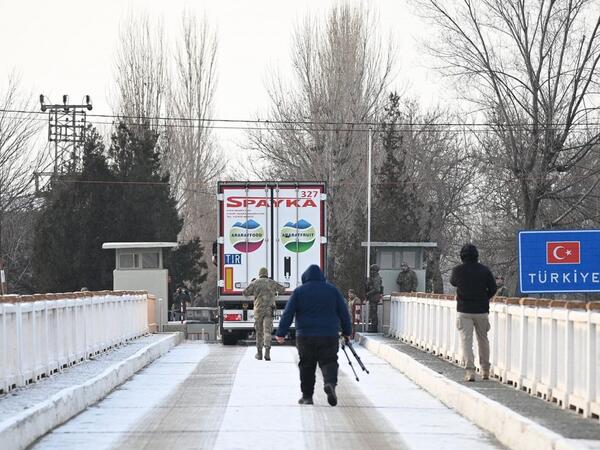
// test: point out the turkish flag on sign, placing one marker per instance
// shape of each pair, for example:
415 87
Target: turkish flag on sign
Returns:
562 253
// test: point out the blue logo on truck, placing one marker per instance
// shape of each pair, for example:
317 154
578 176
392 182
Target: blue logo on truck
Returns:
233 258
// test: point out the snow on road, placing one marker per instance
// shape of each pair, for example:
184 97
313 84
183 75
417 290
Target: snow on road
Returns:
210 396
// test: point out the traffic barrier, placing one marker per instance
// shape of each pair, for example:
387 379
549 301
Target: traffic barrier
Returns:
545 347
43 334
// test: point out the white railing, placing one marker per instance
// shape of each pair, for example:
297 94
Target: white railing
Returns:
547 348
42 334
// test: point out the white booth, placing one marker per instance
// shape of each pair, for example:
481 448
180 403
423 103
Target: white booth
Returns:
139 266
390 255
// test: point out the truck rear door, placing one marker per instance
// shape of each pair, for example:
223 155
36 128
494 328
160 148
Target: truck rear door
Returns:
277 226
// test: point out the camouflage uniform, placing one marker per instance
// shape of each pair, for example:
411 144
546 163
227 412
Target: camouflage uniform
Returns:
373 295
264 290
407 280
502 291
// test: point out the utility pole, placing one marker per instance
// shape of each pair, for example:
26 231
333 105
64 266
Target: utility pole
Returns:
369 152
3 289
66 128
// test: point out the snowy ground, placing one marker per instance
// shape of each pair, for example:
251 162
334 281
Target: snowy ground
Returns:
209 396
22 398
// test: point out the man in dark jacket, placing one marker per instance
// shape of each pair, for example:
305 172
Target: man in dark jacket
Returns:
475 286
319 307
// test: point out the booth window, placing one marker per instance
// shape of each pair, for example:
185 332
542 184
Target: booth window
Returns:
150 260
386 259
128 261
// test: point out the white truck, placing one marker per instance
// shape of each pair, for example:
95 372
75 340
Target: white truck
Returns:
278 225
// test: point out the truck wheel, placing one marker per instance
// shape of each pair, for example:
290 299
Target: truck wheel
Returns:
229 339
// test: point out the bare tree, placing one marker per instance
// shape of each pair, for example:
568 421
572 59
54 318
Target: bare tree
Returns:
191 154
18 163
341 71
440 167
140 69
532 68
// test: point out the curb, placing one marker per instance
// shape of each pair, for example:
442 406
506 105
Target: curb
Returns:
510 428
24 428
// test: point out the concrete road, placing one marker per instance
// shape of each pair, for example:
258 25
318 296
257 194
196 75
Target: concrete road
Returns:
202 396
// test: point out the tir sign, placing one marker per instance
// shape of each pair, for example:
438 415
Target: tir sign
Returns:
562 252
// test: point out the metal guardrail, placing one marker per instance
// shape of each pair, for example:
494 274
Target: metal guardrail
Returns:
42 334
547 348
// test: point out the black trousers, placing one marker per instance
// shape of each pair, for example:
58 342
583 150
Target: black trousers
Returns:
312 350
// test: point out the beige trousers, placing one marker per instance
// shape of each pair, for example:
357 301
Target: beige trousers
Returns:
481 323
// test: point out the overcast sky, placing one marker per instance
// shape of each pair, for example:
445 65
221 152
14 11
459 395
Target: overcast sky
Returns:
68 46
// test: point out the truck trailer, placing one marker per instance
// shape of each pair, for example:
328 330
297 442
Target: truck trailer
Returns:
278 225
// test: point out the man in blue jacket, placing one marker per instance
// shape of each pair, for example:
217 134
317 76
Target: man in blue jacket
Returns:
319 307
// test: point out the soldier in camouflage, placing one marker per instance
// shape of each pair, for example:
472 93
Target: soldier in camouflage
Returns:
373 294
502 290
407 279
264 290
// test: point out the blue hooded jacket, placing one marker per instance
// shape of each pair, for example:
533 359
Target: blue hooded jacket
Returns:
318 306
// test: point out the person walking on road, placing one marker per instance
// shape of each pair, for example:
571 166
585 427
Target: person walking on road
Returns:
475 286
373 295
407 279
264 290
319 308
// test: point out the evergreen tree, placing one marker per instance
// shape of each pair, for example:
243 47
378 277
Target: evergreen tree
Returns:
146 210
395 212
187 268
125 200
68 251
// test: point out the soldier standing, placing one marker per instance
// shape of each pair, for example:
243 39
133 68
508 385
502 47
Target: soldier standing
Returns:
407 279
502 290
373 295
264 290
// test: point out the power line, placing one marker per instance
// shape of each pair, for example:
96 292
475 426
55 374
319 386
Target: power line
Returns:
259 124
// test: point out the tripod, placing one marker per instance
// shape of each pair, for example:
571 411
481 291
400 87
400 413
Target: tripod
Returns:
345 342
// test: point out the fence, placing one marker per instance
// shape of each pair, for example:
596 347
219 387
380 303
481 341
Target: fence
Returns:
547 348
42 334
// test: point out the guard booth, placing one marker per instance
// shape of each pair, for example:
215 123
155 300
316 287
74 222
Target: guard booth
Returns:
389 255
139 266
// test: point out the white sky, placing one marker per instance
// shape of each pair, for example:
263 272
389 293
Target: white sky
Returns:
67 47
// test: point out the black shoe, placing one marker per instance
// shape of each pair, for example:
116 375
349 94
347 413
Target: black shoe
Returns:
330 391
305 401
